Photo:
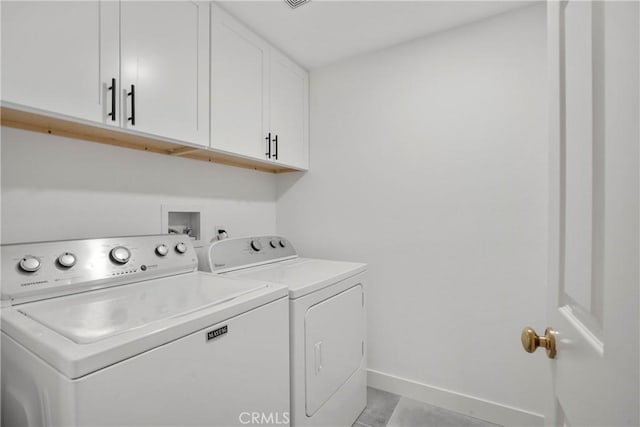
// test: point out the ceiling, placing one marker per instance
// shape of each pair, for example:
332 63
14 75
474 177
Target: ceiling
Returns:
324 31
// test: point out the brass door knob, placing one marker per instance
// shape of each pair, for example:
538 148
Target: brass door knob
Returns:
531 341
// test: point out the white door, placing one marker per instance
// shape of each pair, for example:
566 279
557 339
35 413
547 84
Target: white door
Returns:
165 68
239 93
334 345
289 111
593 269
61 57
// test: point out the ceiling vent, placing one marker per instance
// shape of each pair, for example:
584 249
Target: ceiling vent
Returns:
295 3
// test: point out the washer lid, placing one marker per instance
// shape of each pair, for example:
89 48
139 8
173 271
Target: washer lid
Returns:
93 316
301 275
83 333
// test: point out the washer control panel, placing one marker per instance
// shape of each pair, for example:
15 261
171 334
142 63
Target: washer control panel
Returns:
32 271
229 254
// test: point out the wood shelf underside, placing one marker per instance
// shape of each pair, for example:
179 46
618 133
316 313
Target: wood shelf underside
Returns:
55 126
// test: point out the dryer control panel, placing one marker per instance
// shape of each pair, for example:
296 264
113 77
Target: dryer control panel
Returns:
231 254
32 271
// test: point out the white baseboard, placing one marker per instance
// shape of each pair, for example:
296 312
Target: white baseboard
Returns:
464 404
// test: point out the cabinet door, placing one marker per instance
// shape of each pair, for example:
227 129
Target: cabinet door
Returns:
165 58
238 87
55 58
289 110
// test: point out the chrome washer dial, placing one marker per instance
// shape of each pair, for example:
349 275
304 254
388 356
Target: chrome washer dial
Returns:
29 264
67 260
120 255
162 250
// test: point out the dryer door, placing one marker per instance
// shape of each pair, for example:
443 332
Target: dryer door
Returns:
334 345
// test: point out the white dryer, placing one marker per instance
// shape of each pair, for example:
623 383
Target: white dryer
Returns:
327 323
125 331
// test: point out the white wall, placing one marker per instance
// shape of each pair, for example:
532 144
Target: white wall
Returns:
58 188
429 162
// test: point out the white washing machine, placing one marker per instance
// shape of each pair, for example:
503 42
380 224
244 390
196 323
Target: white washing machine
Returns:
125 331
327 323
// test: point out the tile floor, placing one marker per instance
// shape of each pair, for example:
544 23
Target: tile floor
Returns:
390 410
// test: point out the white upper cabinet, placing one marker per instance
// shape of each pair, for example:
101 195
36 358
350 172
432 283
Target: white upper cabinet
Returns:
143 66
259 98
55 58
181 72
165 69
238 87
289 111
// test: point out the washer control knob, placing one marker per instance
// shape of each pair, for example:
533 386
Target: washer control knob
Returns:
256 245
273 243
181 248
283 243
120 255
29 264
67 260
162 250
